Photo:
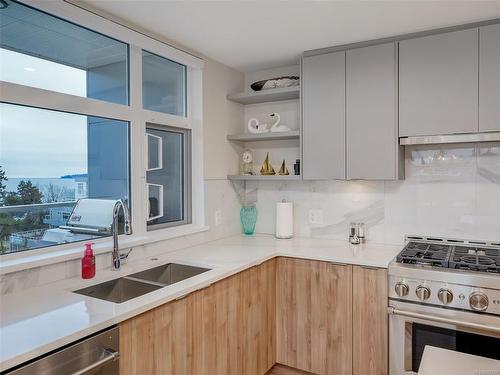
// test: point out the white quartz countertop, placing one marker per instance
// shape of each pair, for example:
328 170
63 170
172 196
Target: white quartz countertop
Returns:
36 321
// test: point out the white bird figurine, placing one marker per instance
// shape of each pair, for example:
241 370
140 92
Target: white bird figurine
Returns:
275 128
255 128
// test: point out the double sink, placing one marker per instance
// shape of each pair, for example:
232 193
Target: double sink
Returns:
135 285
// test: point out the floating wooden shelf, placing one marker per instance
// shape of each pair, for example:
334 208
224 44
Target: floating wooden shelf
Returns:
249 137
264 96
263 178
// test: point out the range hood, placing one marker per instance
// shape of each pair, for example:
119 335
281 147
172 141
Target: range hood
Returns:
451 138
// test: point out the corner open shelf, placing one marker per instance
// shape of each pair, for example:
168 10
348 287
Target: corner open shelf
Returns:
264 96
249 137
263 178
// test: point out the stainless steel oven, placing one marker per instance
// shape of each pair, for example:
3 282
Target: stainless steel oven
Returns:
413 326
443 293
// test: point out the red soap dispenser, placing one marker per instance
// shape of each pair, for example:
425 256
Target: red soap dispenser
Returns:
88 262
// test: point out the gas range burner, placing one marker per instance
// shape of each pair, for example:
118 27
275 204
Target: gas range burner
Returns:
454 254
475 259
424 254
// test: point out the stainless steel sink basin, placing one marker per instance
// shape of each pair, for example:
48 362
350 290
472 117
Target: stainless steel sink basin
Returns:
118 290
169 274
137 284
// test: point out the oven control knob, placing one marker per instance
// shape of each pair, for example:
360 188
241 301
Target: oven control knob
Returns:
423 293
445 296
478 301
401 289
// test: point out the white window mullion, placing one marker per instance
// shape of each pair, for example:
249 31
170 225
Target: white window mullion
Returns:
138 145
195 115
165 119
14 93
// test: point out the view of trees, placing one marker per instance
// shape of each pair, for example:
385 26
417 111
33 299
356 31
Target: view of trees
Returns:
55 193
2 186
26 193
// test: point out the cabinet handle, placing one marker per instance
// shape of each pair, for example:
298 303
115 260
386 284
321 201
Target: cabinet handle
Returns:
182 296
370 268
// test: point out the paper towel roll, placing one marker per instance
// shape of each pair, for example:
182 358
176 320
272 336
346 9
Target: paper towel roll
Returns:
284 220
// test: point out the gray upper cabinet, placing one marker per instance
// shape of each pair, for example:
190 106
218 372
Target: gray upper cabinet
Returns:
323 116
371 101
489 78
438 84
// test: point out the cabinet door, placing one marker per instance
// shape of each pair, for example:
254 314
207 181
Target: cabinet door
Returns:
489 78
314 316
235 328
373 150
158 341
370 321
438 84
323 116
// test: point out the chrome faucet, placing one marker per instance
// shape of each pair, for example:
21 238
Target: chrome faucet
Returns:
114 230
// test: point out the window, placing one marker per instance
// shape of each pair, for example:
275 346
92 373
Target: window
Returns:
83 137
43 51
47 158
163 85
167 183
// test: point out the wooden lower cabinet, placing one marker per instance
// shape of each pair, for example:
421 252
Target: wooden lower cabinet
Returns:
314 316
227 328
370 321
318 317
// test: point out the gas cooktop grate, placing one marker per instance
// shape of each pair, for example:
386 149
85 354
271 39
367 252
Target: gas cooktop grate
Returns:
426 254
475 259
472 258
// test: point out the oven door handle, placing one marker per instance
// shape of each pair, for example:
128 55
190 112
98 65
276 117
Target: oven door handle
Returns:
482 327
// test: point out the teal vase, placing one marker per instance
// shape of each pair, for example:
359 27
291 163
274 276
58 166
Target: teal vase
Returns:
248 216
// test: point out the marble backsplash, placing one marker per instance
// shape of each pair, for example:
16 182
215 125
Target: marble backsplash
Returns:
449 190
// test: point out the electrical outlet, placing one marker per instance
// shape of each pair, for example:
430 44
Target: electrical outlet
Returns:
316 217
218 217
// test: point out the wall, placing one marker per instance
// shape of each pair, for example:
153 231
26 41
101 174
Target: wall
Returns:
450 191
221 117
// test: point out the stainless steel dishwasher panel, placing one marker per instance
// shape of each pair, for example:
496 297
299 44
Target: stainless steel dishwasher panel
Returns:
95 355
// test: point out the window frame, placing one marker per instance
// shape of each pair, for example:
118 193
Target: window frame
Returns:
135 114
187 172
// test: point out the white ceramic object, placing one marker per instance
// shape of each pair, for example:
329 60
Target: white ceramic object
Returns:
255 128
276 128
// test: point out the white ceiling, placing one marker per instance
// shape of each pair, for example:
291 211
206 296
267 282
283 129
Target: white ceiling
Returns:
254 35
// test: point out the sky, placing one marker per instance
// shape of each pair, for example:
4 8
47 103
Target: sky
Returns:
37 142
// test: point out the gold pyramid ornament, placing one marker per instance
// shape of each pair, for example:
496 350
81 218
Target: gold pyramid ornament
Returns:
283 169
267 169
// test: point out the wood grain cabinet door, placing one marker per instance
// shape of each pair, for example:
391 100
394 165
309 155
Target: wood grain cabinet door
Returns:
234 334
158 341
489 78
370 321
314 316
438 84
